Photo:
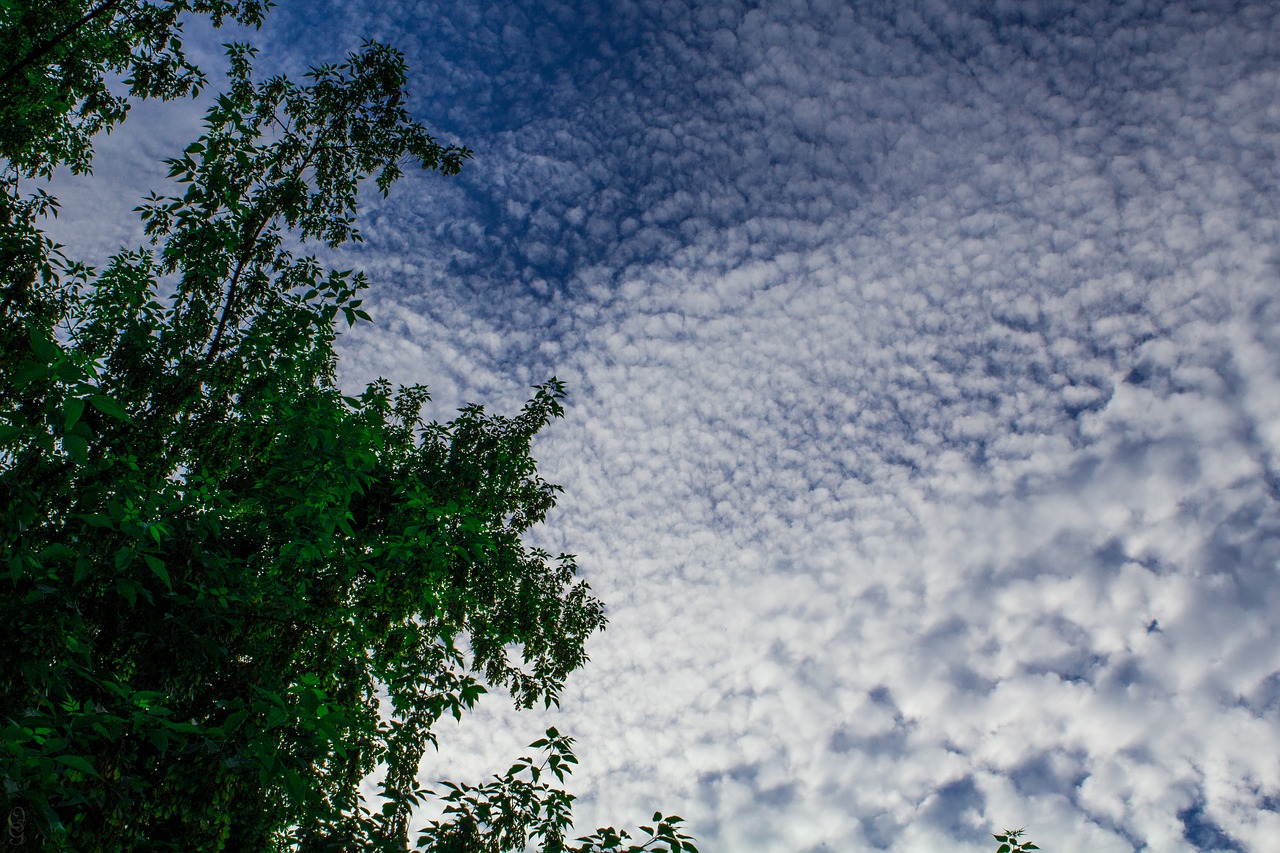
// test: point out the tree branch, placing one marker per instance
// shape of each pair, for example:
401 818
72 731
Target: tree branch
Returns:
215 346
39 53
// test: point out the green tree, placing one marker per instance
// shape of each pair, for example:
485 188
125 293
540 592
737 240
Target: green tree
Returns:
1011 841
56 57
217 568
59 54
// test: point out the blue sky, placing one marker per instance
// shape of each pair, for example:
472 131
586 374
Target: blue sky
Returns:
925 395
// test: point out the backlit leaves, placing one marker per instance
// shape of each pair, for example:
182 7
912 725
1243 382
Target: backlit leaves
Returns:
218 569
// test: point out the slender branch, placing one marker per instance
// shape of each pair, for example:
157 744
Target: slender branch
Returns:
215 346
39 53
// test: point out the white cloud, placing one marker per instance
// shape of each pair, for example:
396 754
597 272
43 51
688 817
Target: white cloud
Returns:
923 438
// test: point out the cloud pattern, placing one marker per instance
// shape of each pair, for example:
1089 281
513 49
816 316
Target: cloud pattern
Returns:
925 434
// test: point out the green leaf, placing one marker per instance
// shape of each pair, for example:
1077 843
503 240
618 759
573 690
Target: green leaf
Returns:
29 372
159 738
109 406
276 717
297 788
76 447
72 408
182 728
157 568
69 372
41 591
57 551
45 350
76 762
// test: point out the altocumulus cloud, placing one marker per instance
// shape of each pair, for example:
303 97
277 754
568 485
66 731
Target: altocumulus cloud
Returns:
926 399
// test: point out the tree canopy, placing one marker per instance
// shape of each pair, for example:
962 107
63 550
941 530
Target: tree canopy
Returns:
231 591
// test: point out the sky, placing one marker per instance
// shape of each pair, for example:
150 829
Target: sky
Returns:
924 424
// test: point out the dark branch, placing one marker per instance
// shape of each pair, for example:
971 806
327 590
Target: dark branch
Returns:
40 52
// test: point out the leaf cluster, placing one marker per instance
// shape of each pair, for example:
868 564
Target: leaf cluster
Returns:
1010 841
60 56
234 593
521 806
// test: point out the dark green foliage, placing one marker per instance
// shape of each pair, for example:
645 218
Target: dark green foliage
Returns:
56 58
1010 842
521 806
217 570
58 55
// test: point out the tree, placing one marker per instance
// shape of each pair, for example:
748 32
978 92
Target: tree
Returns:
54 95
1010 841
217 566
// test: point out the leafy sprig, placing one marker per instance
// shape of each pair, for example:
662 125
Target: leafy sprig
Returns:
1010 841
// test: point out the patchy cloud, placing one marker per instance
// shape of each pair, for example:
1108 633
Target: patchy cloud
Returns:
925 432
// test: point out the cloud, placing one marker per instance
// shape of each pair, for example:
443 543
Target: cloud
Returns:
923 478
923 438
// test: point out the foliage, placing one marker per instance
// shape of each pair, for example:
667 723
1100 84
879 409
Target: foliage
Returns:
1010 842
507 812
54 94
58 56
233 593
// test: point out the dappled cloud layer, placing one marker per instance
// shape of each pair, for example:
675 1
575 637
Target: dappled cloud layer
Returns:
925 422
